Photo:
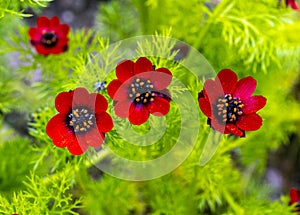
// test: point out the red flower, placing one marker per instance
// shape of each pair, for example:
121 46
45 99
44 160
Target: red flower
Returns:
228 103
140 90
292 3
81 122
295 198
50 37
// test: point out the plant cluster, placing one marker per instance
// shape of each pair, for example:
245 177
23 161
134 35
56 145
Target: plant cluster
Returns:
86 95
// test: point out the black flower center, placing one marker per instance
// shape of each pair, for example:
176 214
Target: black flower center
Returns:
81 120
49 39
228 109
141 91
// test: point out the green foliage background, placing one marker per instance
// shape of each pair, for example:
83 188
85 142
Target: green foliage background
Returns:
257 38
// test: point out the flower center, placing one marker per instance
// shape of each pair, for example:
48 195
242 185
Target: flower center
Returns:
141 91
49 39
228 109
81 119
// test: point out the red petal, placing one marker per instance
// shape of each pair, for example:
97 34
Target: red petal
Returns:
253 104
205 107
142 65
80 97
294 195
43 22
35 34
63 41
78 148
228 80
122 108
41 49
56 50
58 131
97 102
124 70
161 78
63 102
112 88
215 124
244 88
233 129
138 114
159 107
212 90
292 3
63 30
104 122
94 138
54 22
249 122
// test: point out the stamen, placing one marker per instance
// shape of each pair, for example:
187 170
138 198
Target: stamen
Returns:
80 120
228 108
141 91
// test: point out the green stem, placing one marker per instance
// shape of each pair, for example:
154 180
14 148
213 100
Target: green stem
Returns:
235 207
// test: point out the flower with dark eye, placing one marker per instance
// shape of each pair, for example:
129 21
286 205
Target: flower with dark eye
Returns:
140 90
82 121
229 104
49 37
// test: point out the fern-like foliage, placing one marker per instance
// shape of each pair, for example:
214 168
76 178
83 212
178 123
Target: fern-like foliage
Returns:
17 7
50 195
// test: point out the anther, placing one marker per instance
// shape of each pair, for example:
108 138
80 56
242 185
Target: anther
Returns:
145 100
137 80
152 99
151 86
142 83
137 99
